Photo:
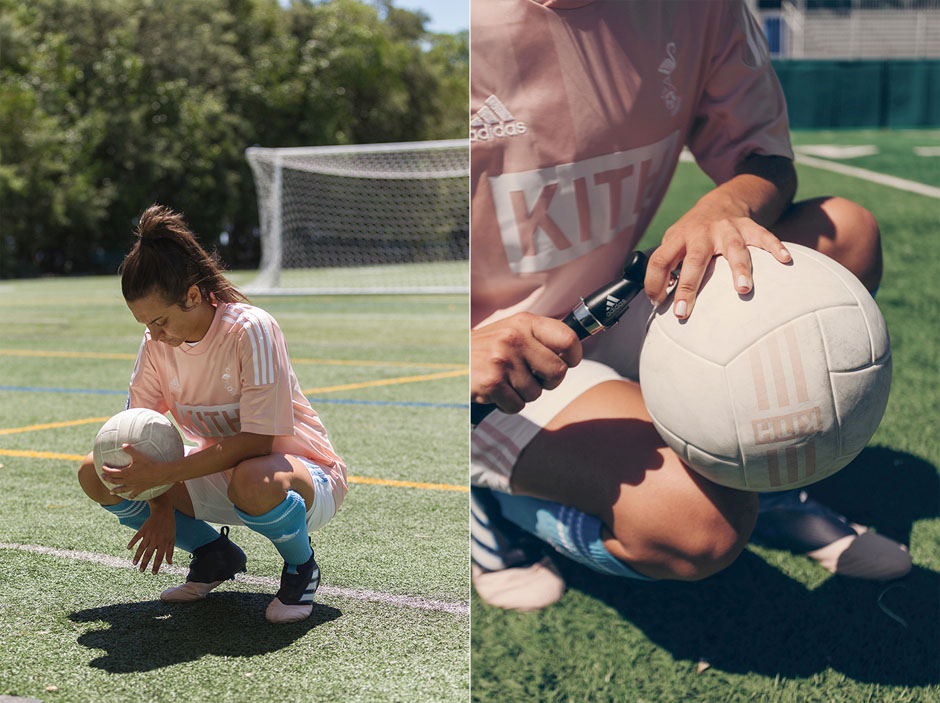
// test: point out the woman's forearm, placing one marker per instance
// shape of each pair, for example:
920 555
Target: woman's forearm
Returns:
223 455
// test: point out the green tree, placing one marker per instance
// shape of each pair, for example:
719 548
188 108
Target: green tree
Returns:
111 105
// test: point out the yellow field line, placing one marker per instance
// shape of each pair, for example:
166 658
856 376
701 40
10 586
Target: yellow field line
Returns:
52 425
30 454
315 362
364 362
408 484
387 382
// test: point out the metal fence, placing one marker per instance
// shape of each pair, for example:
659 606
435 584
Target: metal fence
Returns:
850 29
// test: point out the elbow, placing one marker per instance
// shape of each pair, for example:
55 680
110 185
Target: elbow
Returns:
777 170
790 183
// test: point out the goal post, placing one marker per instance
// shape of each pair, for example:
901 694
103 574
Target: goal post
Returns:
369 218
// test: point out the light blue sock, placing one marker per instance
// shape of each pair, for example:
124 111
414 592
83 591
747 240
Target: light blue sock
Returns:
130 513
190 532
286 526
575 534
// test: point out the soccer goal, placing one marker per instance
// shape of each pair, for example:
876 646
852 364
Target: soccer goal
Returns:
372 218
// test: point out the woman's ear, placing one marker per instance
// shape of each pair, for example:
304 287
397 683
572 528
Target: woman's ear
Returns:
193 297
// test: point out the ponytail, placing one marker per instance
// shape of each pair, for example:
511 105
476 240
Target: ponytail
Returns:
166 258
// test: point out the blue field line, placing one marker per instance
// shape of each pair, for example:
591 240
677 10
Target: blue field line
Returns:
36 389
336 401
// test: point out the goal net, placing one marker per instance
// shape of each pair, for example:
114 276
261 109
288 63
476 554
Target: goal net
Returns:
373 218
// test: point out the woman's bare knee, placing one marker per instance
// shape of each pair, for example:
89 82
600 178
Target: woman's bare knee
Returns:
91 484
703 533
857 244
247 479
257 485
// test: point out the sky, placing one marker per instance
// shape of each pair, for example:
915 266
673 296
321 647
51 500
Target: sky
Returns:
447 16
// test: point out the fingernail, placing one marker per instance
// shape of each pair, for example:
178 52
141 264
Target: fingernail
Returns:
682 308
784 253
743 283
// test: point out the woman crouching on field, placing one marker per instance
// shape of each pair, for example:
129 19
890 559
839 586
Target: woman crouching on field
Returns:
262 457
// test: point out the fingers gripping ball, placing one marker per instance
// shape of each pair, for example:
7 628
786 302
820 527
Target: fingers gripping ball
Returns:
775 389
147 431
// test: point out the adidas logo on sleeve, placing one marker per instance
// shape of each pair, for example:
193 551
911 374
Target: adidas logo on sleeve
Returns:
494 121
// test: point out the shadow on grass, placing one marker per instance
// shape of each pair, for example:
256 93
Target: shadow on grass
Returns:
753 618
151 634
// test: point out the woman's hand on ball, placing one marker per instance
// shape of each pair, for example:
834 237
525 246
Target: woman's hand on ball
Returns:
513 360
701 234
140 475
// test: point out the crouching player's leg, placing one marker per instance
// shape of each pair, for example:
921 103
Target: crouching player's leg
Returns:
791 520
214 557
601 456
284 498
590 476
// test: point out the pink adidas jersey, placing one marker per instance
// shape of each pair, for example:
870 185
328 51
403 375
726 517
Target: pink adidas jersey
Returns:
236 378
579 111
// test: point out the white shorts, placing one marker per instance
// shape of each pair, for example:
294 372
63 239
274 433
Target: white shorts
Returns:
211 502
612 355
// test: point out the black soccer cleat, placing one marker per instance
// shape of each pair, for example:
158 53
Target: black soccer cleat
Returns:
294 599
211 564
792 521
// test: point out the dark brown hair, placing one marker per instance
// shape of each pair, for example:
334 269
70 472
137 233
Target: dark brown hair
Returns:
166 258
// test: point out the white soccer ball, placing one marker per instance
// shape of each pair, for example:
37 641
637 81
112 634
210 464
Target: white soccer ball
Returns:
147 431
776 389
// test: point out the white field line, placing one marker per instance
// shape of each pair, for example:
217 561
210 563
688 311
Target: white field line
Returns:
855 171
271 584
873 176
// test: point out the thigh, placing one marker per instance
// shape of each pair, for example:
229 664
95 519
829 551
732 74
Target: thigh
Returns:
807 222
498 441
603 456
255 486
840 229
208 499
260 484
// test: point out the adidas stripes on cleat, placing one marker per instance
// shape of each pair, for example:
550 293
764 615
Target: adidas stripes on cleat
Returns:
211 564
294 599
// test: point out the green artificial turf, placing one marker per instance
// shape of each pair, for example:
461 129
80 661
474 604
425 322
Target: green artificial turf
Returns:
97 632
